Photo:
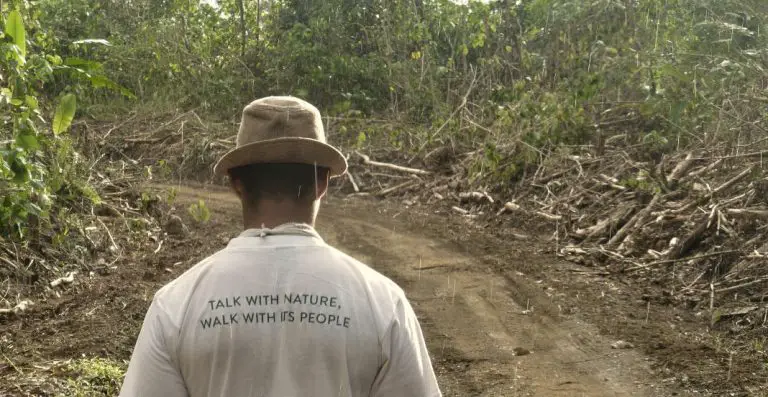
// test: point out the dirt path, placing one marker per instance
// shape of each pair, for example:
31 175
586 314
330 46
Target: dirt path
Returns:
476 321
490 332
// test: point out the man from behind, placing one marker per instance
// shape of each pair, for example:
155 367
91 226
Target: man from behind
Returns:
278 312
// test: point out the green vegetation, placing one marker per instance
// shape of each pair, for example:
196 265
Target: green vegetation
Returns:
523 79
42 177
88 377
508 86
199 212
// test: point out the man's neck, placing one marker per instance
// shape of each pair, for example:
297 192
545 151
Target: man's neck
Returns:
272 214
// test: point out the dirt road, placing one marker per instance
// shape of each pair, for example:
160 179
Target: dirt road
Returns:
490 332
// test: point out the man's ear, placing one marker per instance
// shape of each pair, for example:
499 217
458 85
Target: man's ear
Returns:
322 185
237 187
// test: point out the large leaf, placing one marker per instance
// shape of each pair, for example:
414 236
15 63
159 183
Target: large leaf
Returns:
14 27
101 81
83 63
65 113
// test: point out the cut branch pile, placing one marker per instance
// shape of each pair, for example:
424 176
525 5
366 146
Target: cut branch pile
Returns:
695 223
181 144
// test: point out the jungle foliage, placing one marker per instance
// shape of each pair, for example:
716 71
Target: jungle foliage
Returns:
516 79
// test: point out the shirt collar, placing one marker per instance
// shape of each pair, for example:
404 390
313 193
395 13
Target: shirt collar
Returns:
286 229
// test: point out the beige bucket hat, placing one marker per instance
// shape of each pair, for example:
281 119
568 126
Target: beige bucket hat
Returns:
282 129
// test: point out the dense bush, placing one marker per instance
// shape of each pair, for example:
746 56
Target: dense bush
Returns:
42 177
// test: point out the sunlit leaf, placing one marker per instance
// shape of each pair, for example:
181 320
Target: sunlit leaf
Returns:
65 113
14 27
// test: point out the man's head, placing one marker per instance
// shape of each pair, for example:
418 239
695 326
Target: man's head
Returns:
282 164
290 183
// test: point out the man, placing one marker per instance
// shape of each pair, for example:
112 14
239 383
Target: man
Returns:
278 312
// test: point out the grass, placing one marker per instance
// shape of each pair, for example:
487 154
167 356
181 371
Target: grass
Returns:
93 377
82 377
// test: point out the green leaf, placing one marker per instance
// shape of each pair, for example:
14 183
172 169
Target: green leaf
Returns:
53 59
31 102
20 170
103 82
361 138
5 95
83 63
65 113
91 194
27 142
14 27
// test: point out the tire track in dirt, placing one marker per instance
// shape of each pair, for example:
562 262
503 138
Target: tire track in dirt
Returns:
475 318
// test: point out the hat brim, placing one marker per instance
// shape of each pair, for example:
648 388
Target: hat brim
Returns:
284 150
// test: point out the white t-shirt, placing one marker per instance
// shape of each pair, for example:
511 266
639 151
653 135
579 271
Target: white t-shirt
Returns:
279 313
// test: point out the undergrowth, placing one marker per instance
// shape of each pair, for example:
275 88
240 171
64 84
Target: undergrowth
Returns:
89 377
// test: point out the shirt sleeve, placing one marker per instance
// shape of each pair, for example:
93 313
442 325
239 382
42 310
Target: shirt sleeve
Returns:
407 369
151 372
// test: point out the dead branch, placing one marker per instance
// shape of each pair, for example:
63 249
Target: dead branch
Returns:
550 217
635 220
460 210
744 285
68 279
111 239
352 181
682 259
391 189
455 111
558 174
748 212
692 239
20 307
367 160
476 197
680 169
714 192
733 180
619 217
736 156
509 206
701 171
124 122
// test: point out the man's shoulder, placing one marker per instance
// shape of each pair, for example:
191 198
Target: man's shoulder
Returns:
187 280
368 274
